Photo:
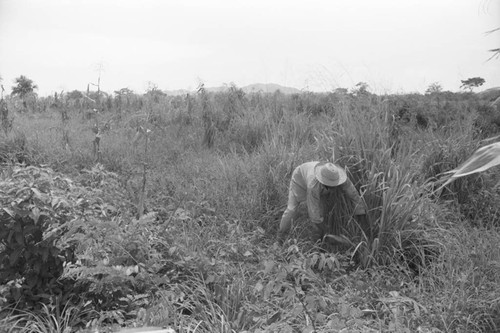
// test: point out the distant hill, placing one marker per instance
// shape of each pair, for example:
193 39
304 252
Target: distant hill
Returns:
252 88
216 89
491 95
269 88
177 92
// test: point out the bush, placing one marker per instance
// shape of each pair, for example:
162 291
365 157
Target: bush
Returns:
34 211
57 237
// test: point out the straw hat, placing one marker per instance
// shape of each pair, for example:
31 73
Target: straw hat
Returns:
330 174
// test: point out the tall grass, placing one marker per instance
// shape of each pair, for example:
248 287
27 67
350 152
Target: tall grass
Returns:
219 166
462 283
385 178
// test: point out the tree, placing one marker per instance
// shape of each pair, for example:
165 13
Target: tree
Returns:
75 94
23 86
123 96
341 91
434 88
471 83
361 89
154 91
124 92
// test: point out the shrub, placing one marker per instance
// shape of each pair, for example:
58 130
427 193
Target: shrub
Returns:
57 237
34 211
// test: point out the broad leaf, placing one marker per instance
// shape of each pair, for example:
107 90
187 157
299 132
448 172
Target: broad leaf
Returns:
482 159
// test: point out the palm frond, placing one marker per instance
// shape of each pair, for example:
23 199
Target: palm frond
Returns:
483 159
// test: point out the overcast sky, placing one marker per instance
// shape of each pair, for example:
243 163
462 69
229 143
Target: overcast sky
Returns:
393 45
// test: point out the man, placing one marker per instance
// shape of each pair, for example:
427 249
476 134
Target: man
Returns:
309 182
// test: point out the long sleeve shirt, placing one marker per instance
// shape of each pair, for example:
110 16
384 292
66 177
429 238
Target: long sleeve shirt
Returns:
305 187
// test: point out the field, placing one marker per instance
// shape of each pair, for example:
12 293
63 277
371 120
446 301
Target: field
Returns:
163 210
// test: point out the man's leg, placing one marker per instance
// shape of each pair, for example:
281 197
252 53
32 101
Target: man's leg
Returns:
288 216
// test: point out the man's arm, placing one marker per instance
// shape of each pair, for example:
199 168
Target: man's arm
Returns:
359 208
353 195
314 205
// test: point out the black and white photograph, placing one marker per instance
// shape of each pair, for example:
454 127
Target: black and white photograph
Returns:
249 166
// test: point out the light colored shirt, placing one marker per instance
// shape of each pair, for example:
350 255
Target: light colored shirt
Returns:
306 188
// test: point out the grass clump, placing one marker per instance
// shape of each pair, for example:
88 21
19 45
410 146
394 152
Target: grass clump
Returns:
49 319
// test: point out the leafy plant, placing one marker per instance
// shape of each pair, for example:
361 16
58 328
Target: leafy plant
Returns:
34 210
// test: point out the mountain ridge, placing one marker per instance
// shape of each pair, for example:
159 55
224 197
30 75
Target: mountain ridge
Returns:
251 88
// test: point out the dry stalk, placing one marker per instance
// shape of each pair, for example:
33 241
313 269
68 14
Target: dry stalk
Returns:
142 194
5 121
96 143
